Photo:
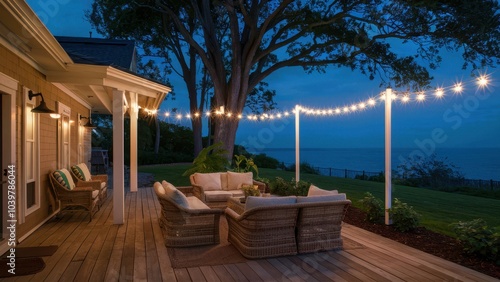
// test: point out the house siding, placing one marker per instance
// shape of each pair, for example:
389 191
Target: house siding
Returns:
29 77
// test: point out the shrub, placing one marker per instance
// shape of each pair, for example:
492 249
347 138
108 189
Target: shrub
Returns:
404 217
249 165
264 161
373 207
428 172
281 187
478 238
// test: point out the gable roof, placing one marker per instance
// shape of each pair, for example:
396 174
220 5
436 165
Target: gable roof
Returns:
99 51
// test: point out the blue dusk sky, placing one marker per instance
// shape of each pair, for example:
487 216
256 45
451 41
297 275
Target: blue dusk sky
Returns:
470 119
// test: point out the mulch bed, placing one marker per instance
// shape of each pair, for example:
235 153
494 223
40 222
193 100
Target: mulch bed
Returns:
427 241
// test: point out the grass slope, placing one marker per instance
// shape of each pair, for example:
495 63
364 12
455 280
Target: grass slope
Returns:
438 209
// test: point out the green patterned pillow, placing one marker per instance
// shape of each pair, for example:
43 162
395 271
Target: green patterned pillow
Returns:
78 172
64 178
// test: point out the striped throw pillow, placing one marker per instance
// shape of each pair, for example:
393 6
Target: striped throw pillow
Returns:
64 178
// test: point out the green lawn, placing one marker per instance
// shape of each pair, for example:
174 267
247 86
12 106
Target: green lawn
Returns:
438 209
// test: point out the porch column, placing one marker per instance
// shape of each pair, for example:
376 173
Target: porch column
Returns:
118 159
134 113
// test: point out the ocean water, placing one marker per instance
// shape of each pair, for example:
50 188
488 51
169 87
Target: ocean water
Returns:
474 163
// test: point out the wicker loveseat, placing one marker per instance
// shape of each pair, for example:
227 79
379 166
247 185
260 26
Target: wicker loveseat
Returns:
74 197
215 188
264 231
186 221
269 227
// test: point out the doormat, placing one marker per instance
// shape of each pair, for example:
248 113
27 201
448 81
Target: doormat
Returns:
30 252
23 266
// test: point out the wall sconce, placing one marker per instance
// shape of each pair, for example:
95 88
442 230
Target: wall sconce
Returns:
42 108
89 123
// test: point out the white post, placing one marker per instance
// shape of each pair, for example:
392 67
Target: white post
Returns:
133 141
388 166
297 143
118 159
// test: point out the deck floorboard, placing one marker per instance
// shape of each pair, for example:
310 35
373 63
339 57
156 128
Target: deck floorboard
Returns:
135 251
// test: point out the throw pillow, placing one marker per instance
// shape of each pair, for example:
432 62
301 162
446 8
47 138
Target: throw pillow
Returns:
223 181
209 181
77 172
175 195
168 186
253 202
237 179
85 170
315 191
324 198
64 178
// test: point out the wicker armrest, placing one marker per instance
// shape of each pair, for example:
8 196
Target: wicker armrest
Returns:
94 184
198 192
231 213
82 189
201 211
186 190
100 177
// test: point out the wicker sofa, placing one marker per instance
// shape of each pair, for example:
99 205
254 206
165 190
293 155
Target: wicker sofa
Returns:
186 221
215 188
277 226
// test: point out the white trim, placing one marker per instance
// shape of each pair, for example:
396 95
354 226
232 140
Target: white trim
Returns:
20 54
118 160
9 87
35 161
65 113
73 95
134 112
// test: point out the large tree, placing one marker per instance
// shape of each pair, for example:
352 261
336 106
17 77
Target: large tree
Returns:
241 42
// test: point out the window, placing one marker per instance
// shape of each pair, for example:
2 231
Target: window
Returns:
64 136
31 192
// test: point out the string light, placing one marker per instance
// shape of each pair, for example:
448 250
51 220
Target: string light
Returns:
458 88
404 97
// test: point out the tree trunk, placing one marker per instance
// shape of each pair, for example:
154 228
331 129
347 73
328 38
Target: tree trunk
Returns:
225 132
198 141
157 139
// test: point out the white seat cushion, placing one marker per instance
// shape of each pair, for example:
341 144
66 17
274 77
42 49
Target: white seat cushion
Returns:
217 196
237 179
95 194
253 202
315 191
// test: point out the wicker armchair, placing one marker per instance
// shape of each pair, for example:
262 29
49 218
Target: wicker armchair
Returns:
185 227
77 198
319 226
81 173
264 231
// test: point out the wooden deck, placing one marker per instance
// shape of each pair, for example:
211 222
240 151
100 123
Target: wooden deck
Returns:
101 251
